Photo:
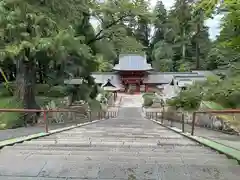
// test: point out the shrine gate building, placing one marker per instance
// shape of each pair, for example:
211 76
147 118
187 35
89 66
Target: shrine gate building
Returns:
133 72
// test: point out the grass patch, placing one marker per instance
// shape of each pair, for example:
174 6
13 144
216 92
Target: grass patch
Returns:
10 119
212 105
43 101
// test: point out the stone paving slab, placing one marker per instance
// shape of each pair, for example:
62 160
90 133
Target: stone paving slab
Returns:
159 154
128 158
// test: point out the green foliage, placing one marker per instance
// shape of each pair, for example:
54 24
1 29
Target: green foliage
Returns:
57 91
148 99
224 92
94 92
10 120
148 94
42 89
94 105
181 41
187 100
4 92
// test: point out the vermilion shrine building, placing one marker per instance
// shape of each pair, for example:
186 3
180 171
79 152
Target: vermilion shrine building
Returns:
133 72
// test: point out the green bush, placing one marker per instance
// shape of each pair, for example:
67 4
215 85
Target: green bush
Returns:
148 94
107 94
10 86
94 105
42 89
187 100
57 91
4 92
11 119
148 101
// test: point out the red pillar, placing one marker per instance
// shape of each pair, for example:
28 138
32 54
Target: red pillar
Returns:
138 87
146 87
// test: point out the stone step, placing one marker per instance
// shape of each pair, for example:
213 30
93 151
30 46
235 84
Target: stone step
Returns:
112 143
106 148
83 160
165 149
122 140
74 136
102 146
108 170
113 153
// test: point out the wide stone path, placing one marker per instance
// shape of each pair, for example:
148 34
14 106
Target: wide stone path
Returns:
126 148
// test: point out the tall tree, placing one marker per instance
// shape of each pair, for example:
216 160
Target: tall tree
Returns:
161 47
159 22
200 38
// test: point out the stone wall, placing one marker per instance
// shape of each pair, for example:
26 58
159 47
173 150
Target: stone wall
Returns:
203 120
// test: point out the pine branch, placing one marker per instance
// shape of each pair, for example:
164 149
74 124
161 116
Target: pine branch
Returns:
98 36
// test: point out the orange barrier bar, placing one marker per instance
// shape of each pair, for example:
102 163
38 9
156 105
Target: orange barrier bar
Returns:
220 111
226 111
45 111
38 110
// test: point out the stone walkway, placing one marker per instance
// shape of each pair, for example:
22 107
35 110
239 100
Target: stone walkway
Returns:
125 148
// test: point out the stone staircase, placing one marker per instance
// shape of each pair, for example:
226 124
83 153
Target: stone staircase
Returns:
125 148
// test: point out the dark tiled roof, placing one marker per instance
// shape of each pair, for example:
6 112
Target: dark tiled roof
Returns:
102 78
132 62
166 77
108 84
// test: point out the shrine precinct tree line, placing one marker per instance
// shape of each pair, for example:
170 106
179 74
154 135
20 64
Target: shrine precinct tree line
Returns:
223 55
46 41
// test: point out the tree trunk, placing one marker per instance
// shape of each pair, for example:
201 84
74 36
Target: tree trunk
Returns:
40 73
25 84
183 46
197 47
197 56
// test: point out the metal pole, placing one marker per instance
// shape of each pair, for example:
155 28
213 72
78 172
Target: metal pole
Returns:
45 120
156 116
163 114
193 123
90 116
183 125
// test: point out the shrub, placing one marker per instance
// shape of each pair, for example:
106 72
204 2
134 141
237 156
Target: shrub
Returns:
4 92
94 92
42 89
188 100
148 101
11 119
148 94
12 86
57 91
